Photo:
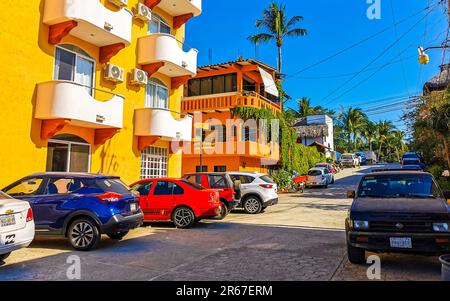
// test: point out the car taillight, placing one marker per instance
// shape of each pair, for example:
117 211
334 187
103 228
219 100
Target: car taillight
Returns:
267 186
29 215
212 198
110 197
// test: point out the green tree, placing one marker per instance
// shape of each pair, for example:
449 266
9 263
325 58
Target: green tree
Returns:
369 133
352 122
384 130
276 28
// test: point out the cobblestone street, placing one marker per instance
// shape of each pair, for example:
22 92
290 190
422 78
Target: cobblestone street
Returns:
302 238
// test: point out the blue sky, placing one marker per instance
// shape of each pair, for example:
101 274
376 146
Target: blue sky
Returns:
333 25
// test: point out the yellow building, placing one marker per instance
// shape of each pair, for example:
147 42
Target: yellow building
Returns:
94 86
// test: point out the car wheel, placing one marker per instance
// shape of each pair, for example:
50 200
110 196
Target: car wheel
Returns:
223 211
252 205
83 234
117 235
4 256
356 255
183 217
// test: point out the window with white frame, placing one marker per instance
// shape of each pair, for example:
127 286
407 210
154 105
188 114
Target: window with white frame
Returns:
154 162
157 94
158 25
74 64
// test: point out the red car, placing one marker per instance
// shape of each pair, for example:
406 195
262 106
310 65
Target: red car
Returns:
229 192
179 201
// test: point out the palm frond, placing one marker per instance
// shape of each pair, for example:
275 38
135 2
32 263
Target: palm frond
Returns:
261 38
298 32
294 20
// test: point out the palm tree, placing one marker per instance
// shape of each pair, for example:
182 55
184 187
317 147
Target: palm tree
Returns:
276 28
352 122
384 130
369 133
305 109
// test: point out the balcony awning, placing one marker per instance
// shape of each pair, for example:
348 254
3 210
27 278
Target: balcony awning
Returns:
269 84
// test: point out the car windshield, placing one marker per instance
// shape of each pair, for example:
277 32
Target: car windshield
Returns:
410 156
193 185
347 157
4 195
314 173
108 185
399 186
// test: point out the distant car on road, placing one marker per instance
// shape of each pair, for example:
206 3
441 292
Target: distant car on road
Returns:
397 211
79 206
319 176
412 167
179 201
349 160
361 157
413 158
16 225
329 166
258 191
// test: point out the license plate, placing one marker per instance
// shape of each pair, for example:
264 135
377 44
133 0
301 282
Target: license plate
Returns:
133 207
401 242
7 220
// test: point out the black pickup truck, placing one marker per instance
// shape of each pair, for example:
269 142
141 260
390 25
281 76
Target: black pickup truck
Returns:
398 211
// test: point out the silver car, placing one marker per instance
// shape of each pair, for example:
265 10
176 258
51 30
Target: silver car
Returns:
319 176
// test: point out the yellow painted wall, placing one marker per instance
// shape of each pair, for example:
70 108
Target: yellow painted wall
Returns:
27 59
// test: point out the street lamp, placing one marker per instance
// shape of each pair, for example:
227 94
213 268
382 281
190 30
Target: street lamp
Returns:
423 57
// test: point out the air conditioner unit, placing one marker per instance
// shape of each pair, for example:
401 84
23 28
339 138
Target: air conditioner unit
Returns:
139 77
114 73
143 12
119 3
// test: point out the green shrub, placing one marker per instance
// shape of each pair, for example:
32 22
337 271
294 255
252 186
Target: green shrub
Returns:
444 183
283 179
436 171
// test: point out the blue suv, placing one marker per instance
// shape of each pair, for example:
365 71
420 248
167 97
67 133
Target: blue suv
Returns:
79 206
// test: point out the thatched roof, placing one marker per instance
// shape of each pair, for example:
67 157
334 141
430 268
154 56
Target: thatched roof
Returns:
440 81
312 131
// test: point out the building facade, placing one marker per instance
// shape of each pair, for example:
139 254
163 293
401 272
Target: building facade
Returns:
316 130
94 86
222 140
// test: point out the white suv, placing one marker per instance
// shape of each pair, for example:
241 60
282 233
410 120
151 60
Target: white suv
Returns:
16 225
257 189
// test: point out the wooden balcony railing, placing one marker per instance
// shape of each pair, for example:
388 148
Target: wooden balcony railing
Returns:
226 102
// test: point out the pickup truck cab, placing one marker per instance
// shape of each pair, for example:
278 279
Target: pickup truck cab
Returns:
349 160
397 211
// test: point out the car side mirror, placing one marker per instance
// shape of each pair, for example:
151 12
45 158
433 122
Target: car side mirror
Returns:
351 194
447 195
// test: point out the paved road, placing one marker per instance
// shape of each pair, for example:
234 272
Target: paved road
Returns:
301 238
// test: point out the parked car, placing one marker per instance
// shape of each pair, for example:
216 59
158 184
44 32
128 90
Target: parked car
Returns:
413 158
397 211
79 206
371 157
319 177
412 167
229 191
349 160
180 201
328 166
258 191
16 225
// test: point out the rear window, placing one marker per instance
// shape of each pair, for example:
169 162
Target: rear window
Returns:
399 186
218 181
107 185
314 173
347 157
410 156
4 195
193 185
267 179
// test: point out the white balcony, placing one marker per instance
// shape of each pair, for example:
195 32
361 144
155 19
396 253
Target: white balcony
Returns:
181 7
70 101
161 123
96 24
164 48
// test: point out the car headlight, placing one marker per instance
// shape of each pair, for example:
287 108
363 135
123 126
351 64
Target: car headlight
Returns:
362 225
440 227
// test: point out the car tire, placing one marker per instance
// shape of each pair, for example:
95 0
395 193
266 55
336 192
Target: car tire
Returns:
252 205
83 234
224 211
4 256
117 235
356 255
183 217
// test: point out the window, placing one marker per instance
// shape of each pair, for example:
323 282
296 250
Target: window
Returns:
244 179
218 181
157 94
154 162
142 188
213 85
220 168
73 64
25 187
167 188
108 185
201 168
68 153
158 25
267 179
63 186
194 179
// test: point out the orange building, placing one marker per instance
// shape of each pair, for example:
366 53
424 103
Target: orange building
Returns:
222 141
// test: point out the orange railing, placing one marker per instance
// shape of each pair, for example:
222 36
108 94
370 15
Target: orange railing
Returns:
224 102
